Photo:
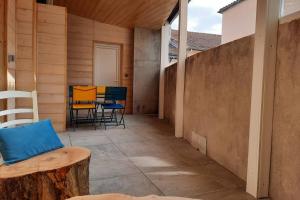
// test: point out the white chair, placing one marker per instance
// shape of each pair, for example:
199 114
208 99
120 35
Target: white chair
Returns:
11 121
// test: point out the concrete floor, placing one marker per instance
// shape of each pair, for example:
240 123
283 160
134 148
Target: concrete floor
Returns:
145 158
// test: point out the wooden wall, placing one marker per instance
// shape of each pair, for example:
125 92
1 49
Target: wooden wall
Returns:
52 62
10 39
25 49
11 42
80 50
82 33
36 34
2 70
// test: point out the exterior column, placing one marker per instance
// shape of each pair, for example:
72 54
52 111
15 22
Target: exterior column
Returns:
262 98
183 12
164 62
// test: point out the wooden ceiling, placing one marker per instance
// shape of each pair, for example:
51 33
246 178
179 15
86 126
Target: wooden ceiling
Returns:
125 13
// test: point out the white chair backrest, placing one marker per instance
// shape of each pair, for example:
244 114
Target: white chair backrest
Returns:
14 95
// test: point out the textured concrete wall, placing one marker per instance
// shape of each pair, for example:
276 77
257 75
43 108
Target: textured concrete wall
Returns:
170 94
146 71
217 106
217 101
285 166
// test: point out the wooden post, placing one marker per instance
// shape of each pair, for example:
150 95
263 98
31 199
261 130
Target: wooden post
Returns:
183 13
164 62
262 98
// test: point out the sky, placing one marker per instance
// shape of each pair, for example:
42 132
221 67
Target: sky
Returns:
203 16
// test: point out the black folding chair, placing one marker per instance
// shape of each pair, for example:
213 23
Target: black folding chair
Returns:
117 97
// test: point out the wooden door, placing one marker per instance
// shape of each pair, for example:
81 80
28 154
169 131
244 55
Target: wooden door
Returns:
106 64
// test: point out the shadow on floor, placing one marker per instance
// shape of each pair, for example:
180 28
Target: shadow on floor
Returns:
146 158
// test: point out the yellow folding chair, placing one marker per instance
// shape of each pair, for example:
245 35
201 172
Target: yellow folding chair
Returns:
84 98
101 91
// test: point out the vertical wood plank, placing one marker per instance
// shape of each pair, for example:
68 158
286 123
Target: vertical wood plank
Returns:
26 51
262 98
2 53
52 64
10 50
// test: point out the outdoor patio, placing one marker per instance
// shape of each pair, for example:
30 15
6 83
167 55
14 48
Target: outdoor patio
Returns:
146 158
238 101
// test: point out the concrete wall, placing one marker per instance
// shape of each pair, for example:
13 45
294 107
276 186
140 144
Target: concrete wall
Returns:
285 166
170 94
217 102
217 106
146 71
234 27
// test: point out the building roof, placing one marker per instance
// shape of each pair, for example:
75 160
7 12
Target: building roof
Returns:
195 41
227 7
198 41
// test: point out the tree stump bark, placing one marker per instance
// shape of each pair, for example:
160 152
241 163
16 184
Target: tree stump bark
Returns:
56 175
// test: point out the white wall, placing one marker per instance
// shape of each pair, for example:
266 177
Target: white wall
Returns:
291 6
239 21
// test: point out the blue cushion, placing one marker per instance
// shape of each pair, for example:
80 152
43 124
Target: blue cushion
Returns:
112 106
24 142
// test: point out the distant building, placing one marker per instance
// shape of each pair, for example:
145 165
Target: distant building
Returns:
239 18
196 42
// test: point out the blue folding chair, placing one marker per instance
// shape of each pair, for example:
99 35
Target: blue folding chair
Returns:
116 96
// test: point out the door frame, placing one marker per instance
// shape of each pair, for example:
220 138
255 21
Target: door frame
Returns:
120 69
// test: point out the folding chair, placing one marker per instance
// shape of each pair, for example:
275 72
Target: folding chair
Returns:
101 91
84 98
117 97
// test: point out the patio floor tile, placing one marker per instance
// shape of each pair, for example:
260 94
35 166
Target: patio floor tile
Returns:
135 184
146 158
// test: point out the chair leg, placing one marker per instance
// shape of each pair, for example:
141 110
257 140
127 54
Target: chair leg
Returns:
76 118
71 117
94 118
122 120
111 115
115 117
73 120
103 118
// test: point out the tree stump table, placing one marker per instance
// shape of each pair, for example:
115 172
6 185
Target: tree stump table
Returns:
125 197
55 175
